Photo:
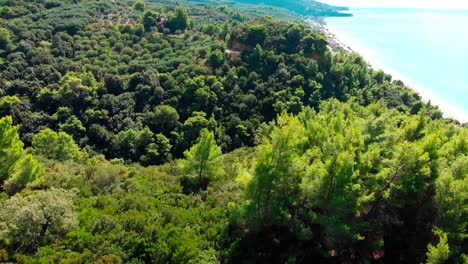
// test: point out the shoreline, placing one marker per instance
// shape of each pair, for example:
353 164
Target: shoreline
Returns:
340 42
334 41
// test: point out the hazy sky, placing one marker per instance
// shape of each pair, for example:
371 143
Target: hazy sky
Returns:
453 4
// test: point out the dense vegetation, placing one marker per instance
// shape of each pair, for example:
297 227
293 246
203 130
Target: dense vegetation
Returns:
291 9
324 158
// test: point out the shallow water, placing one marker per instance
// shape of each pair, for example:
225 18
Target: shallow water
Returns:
428 49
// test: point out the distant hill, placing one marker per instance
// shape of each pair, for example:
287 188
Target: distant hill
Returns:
280 9
302 7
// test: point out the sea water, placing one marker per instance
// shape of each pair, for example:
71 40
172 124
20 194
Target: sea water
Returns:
427 49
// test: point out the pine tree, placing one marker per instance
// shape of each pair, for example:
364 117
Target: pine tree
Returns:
11 147
276 179
439 254
204 160
57 146
25 172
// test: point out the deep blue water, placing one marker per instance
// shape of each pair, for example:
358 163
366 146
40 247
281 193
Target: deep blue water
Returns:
428 49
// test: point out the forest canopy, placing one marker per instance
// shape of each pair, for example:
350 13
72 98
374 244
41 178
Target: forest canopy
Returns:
149 132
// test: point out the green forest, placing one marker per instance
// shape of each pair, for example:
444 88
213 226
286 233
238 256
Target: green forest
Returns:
158 132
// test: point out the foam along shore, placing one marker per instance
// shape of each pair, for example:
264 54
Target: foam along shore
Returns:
339 40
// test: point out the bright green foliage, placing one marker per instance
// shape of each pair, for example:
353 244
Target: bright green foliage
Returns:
17 169
439 254
347 175
277 175
331 183
11 147
5 37
6 103
26 172
203 160
57 146
452 191
29 220
139 214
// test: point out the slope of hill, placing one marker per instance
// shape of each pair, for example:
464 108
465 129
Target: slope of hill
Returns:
291 9
149 132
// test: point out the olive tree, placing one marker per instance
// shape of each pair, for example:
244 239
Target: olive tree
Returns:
30 220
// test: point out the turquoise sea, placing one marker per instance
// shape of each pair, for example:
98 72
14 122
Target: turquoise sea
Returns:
427 49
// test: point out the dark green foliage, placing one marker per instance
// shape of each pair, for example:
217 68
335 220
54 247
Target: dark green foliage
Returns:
216 58
132 144
140 5
180 21
256 35
164 119
150 19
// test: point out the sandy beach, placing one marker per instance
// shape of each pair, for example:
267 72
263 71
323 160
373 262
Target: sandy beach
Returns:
334 41
339 41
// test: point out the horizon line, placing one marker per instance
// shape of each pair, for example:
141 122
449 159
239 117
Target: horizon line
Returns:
401 5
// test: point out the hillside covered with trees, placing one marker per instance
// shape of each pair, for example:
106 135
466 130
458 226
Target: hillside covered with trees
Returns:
151 132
